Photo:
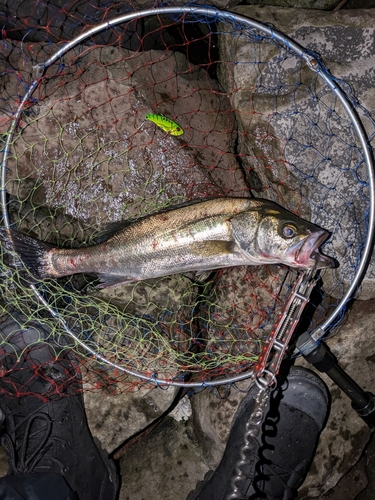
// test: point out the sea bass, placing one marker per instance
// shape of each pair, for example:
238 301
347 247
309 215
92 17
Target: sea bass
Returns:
199 236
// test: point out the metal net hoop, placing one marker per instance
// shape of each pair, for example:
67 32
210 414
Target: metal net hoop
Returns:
240 24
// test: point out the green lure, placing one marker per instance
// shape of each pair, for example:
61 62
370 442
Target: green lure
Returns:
165 124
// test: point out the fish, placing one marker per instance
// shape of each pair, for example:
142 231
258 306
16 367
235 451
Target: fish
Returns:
199 236
165 124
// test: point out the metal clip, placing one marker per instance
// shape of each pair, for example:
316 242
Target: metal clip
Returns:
38 71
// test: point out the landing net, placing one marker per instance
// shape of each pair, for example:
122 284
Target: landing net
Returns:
261 116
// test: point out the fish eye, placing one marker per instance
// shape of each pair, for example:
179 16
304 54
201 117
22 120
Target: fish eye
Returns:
289 230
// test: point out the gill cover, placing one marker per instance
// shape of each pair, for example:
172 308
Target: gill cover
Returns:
267 231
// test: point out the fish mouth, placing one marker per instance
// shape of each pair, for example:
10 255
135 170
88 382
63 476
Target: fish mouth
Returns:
306 254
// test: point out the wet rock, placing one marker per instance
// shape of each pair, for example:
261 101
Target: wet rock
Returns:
369 461
351 484
56 22
115 418
16 64
302 4
91 151
297 138
345 435
45 223
4 466
213 412
238 314
146 326
166 464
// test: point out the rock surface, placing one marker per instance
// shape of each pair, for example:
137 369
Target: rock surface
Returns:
346 435
295 134
302 4
114 419
167 464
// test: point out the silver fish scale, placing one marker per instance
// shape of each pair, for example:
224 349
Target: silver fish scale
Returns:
203 236
170 242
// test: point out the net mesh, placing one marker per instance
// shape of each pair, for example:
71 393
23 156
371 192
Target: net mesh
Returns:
256 121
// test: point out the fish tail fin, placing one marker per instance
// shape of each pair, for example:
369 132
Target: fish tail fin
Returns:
29 250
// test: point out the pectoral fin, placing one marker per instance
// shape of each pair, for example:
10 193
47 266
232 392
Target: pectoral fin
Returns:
203 276
212 248
107 280
198 276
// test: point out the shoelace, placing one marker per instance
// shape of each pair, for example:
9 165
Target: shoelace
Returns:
258 476
21 457
277 471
